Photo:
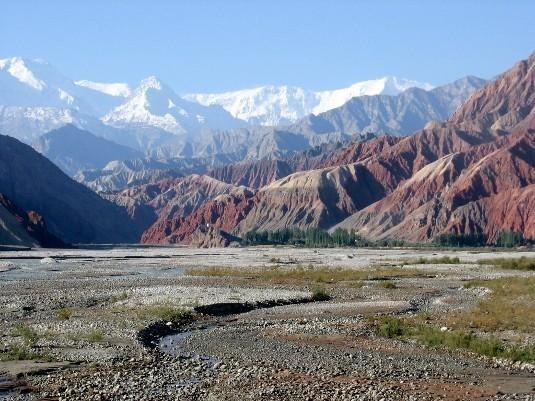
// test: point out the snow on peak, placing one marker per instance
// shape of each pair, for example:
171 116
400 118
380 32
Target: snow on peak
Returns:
17 68
274 105
151 82
155 104
117 89
383 86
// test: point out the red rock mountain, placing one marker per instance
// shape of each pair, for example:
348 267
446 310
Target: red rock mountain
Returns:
471 174
160 204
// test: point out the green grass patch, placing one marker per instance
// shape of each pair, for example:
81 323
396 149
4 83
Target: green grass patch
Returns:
522 263
433 336
22 353
92 336
168 312
319 293
509 306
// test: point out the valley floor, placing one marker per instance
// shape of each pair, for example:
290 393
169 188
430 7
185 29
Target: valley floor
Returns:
384 324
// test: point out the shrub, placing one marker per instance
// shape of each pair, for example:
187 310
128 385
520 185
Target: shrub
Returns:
64 314
391 327
319 293
29 335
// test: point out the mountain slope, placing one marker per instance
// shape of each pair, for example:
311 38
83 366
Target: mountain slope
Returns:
118 175
72 212
158 205
72 149
466 192
18 227
452 194
398 115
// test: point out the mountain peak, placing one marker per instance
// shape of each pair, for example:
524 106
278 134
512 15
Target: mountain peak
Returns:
18 68
151 82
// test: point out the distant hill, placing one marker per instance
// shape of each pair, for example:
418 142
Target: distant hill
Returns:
72 212
73 149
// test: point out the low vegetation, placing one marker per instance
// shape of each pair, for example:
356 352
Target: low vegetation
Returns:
310 274
387 284
64 314
165 311
92 336
443 260
22 353
522 263
509 306
319 293
433 336
28 334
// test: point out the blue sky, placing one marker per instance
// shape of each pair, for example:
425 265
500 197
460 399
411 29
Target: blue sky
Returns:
221 45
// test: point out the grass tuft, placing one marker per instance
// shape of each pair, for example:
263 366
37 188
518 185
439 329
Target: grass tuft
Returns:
168 312
433 336
443 260
29 335
21 353
64 314
522 263
389 285
319 293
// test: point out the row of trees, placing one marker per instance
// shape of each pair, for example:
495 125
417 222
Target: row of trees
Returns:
314 238
311 237
506 239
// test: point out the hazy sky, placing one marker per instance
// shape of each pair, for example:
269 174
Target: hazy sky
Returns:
223 45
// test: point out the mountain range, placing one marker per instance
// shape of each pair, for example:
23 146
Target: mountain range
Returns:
473 174
457 159
282 105
151 119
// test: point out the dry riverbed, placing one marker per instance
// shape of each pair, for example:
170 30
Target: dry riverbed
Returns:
265 323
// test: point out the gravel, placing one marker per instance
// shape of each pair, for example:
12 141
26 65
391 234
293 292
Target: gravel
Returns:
315 351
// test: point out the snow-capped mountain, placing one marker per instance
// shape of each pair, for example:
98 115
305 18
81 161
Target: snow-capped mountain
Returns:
118 89
154 104
276 105
36 98
35 83
152 119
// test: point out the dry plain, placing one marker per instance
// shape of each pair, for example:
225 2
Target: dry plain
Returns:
265 323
